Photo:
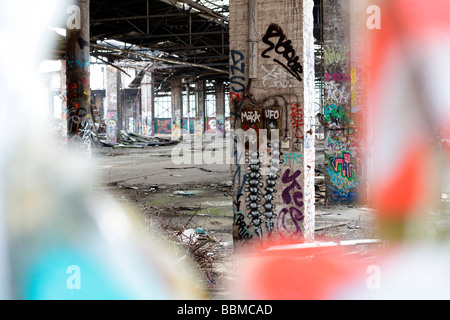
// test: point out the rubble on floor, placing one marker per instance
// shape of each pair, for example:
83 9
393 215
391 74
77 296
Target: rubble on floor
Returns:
134 140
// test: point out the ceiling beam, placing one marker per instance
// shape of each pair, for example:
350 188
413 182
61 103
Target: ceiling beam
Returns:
166 60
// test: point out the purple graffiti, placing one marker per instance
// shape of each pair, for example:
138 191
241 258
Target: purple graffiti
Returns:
297 196
290 219
296 218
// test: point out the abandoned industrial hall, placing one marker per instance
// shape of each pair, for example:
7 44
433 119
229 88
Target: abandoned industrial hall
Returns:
220 150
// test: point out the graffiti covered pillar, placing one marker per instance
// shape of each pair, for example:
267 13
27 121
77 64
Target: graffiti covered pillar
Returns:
343 165
77 75
220 109
112 101
272 106
147 103
63 85
200 96
177 108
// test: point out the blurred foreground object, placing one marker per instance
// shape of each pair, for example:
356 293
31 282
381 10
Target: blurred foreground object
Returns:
60 239
408 67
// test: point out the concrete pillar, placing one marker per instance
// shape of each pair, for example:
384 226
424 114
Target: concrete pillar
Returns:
274 189
112 104
63 103
177 108
220 109
77 75
200 96
188 109
152 109
147 103
343 165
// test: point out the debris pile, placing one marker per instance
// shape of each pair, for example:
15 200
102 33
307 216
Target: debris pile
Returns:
133 140
198 242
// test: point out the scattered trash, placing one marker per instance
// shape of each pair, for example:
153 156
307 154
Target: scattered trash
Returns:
198 241
129 140
200 231
184 193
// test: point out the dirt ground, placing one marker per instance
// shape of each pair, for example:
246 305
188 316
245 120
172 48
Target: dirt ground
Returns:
198 198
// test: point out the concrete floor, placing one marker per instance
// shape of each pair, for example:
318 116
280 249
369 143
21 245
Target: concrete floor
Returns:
148 181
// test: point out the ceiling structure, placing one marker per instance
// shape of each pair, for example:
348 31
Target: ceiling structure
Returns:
169 37
189 38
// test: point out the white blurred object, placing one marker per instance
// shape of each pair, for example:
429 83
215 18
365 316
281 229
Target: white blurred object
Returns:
59 239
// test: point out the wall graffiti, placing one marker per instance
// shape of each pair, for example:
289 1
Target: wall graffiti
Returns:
346 165
290 218
338 77
163 126
111 127
335 114
237 79
85 132
337 93
282 46
78 121
239 181
292 158
335 54
341 183
338 196
344 169
73 62
254 184
297 120
277 78
273 99
211 125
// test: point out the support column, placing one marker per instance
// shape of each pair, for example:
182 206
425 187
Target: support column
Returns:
147 103
177 108
188 109
152 110
344 169
273 97
63 103
220 109
112 102
77 75
200 108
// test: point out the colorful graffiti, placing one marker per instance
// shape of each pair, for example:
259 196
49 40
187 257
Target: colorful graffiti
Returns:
274 190
237 79
344 170
164 125
111 127
297 120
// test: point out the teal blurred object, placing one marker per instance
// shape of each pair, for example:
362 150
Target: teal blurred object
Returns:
54 276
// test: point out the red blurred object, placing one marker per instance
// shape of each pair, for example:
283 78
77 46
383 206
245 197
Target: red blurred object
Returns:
318 271
410 33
